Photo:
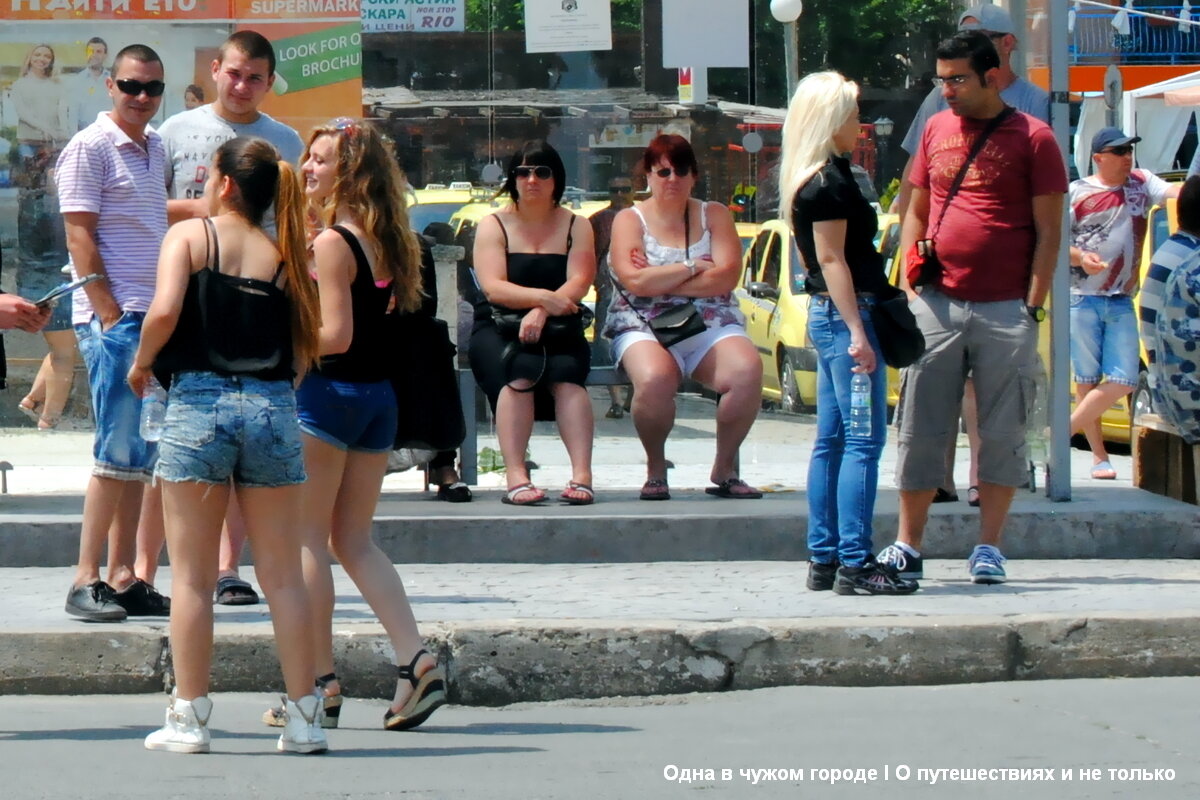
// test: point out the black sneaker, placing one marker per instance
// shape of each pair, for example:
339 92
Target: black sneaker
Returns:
871 578
909 567
140 599
95 602
820 576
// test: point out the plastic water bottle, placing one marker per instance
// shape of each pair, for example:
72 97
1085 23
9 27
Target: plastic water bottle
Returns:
154 411
860 405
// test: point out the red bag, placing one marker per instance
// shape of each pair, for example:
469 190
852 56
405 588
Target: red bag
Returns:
921 264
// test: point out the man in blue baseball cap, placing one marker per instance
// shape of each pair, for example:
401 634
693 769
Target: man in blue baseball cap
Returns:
1108 225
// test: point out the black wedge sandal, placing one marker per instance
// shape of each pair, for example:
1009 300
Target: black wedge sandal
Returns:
429 692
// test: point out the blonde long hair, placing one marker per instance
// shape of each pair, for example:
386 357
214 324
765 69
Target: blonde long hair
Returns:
369 183
821 104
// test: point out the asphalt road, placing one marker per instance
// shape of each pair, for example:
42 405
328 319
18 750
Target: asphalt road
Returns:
71 747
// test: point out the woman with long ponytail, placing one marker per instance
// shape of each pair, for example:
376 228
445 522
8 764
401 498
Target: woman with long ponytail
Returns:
233 324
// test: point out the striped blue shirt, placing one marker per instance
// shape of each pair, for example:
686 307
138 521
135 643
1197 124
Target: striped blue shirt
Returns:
1169 323
102 171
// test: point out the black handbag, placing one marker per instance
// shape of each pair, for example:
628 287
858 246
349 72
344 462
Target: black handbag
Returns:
679 323
508 323
896 328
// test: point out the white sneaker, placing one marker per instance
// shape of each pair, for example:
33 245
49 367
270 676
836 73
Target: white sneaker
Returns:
186 728
302 731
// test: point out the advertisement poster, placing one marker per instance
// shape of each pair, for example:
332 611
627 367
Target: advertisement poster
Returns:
53 66
413 16
560 26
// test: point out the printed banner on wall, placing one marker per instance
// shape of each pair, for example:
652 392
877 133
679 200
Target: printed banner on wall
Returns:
413 16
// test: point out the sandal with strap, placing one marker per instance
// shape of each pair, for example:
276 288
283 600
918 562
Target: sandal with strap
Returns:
429 693
587 495
276 717
510 498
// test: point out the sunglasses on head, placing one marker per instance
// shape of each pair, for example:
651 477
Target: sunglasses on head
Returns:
346 125
133 88
1121 150
680 172
541 172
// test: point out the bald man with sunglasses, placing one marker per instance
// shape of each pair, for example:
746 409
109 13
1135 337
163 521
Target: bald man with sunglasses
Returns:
112 189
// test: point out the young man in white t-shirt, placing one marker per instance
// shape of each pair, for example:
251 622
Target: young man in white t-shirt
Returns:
243 71
1108 226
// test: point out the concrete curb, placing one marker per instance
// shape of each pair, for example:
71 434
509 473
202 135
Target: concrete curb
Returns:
1110 523
509 661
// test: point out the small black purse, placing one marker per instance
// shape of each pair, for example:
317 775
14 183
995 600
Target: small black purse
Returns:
679 323
556 329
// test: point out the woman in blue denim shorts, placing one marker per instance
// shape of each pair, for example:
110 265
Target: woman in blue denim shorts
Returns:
234 319
368 265
835 227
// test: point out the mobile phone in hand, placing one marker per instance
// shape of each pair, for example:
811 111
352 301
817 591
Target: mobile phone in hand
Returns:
66 288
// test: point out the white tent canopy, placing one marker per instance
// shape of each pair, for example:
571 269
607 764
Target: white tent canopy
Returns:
1159 113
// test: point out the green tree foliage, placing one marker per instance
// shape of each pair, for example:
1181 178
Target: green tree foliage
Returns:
509 15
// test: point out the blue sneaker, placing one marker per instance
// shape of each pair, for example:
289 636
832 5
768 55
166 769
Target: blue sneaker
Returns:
908 567
987 564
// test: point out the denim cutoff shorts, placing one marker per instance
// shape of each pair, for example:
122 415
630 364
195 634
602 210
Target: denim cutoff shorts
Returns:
359 417
1104 339
231 426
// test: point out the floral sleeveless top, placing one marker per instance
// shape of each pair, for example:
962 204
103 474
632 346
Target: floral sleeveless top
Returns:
624 310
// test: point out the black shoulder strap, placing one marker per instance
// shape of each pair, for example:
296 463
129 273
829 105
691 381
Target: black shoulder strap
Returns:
502 230
570 225
360 257
975 150
210 230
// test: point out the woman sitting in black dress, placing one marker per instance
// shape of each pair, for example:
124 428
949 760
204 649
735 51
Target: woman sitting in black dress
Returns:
531 258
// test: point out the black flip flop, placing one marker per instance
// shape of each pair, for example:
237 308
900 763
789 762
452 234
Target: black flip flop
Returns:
233 591
726 489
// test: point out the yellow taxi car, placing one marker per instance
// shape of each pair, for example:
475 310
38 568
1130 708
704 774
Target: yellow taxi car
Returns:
771 296
437 203
747 232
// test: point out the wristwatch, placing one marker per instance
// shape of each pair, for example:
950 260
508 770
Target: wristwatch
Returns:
1036 313
691 265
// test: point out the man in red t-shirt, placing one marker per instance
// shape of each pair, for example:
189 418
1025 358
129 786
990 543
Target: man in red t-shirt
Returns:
998 245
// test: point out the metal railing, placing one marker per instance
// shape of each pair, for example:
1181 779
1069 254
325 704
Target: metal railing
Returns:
1149 41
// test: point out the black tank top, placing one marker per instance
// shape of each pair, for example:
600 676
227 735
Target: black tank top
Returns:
533 270
230 325
366 360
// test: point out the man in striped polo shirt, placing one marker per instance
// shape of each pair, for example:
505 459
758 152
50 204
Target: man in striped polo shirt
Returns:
113 197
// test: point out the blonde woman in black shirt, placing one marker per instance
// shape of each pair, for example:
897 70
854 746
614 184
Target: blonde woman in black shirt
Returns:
835 228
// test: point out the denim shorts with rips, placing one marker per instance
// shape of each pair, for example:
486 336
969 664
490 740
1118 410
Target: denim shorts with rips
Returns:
119 450
220 427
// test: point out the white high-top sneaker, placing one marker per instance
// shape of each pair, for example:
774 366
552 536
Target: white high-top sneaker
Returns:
302 732
186 728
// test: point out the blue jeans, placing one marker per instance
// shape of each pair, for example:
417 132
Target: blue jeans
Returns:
119 450
1104 339
229 426
843 473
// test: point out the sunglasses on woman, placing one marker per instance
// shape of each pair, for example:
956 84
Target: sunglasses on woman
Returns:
541 172
133 88
680 172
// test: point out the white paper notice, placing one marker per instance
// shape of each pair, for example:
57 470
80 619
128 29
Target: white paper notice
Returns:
559 26
706 33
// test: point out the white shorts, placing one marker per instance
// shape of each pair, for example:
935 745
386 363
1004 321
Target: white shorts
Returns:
687 354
